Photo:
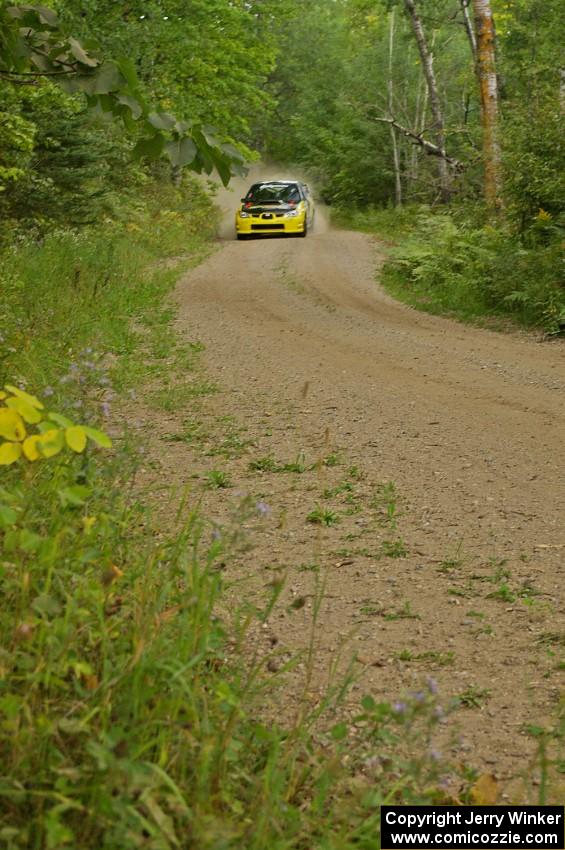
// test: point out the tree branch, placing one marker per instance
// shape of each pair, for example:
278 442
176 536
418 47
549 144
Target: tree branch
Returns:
429 147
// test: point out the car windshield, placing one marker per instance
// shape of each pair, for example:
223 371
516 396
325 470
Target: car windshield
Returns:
273 193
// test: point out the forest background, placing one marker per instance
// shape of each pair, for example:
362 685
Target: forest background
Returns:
413 123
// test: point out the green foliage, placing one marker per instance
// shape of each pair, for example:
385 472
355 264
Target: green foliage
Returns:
74 165
33 42
476 272
217 79
74 296
16 143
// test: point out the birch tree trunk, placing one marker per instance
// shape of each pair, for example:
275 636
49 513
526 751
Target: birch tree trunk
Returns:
427 61
469 27
393 136
486 71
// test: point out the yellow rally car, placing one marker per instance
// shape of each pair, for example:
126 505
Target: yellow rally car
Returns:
275 206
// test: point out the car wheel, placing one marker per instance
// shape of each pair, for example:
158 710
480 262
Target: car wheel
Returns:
304 232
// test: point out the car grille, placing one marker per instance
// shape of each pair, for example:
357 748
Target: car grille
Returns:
272 225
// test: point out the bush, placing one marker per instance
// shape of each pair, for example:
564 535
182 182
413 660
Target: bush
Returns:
476 272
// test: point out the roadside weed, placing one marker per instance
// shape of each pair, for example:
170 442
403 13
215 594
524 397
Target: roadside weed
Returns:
394 548
216 479
473 697
322 516
404 613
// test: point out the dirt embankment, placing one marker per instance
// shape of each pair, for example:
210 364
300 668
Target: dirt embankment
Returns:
431 455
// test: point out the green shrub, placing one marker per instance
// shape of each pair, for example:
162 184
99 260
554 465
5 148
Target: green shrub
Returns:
475 272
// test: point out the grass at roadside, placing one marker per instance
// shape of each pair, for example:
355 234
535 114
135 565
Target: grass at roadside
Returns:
445 263
129 702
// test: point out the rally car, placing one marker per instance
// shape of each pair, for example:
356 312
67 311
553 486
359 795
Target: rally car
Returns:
275 206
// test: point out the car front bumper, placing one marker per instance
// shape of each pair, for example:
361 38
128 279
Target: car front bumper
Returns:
259 225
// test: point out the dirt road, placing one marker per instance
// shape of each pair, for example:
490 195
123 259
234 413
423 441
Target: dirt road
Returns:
431 455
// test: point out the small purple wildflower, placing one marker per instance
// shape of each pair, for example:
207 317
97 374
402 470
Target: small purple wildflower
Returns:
399 707
262 508
216 534
419 696
105 409
439 713
432 686
435 755
48 391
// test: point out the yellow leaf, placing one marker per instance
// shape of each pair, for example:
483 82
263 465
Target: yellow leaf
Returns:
11 425
51 442
485 791
30 447
31 399
76 438
10 453
25 409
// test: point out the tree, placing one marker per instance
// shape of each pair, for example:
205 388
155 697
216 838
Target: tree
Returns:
488 86
427 60
390 90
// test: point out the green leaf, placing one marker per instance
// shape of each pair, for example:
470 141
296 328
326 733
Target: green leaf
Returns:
181 151
73 496
46 604
127 69
79 53
29 540
8 516
162 120
60 420
107 79
133 104
99 437
151 148
339 731
46 16
223 167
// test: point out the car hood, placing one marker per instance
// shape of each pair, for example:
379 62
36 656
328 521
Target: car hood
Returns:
272 208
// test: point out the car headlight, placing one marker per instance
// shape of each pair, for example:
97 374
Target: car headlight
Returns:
292 213
243 214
